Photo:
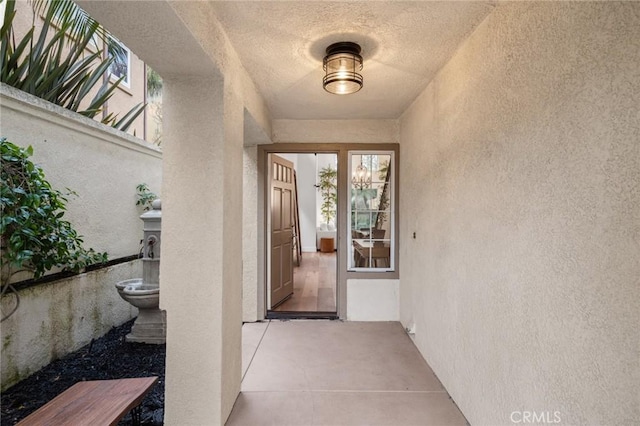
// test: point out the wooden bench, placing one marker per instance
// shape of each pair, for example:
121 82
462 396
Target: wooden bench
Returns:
97 402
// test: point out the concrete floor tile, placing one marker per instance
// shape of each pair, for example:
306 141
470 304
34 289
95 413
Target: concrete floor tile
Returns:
345 408
330 373
272 408
251 335
335 355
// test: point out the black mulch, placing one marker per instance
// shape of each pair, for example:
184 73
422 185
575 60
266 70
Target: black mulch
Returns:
108 357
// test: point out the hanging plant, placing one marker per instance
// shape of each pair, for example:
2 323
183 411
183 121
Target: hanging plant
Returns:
34 235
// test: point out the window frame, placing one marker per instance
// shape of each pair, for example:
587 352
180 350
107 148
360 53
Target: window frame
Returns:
126 82
392 214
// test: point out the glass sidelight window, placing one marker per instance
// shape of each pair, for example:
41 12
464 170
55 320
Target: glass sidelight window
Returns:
371 211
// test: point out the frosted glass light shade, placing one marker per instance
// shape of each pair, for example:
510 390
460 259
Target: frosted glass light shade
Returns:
342 65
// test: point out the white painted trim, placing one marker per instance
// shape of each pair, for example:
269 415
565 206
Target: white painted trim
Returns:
126 82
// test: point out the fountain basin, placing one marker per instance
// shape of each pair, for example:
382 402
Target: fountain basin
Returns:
144 293
140 295
150 325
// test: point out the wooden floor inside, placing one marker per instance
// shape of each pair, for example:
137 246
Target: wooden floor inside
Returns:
314 284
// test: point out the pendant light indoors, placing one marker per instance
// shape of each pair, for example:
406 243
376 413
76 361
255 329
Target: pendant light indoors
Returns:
341 66
361 178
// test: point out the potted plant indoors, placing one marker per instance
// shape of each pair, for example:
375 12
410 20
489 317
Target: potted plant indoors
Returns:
328 186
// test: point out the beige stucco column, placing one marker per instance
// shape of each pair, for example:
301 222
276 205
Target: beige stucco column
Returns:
201 272
205 120
250 236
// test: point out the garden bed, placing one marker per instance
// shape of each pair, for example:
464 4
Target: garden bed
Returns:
108 357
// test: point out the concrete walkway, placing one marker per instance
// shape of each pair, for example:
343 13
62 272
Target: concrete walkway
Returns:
331 373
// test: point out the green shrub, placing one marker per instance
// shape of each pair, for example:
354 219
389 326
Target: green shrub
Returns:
145 196
34 235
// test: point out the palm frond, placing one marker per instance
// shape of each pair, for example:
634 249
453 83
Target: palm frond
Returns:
54 65
79 22
125 122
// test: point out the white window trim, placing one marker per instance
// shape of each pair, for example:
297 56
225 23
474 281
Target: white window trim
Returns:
392 209
127 81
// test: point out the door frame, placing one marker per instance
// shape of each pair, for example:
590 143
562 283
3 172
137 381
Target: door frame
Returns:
284 185
265 161
342 275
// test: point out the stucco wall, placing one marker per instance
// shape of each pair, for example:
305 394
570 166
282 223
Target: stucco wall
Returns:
102 165
520 168
250 234
60 317
336 131
211 144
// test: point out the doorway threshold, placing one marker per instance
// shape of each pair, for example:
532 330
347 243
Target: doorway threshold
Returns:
289 315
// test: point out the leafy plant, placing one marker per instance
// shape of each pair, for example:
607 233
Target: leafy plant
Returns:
328 189
34 235
154 83
384 175
157 117
145 196
56 65
155 86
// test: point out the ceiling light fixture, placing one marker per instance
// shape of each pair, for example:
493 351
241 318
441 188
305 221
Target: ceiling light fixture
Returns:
341 66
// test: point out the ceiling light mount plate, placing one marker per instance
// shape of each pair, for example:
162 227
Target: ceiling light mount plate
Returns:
344 47
341 66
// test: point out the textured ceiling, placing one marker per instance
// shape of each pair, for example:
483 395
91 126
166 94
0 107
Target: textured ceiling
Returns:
404 44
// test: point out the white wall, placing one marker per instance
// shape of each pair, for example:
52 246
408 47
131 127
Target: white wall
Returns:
305 166
323 160
102 165
519 170
60 317
306 175
373 300
289 157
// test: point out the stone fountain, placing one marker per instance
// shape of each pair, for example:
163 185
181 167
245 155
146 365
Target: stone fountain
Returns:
144 293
